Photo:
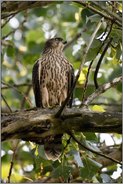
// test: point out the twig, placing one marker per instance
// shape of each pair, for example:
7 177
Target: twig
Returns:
68 142
86 82
93 151
3 38
112 14
12 161
107 104
26 98
21 6
7 21
101 90
11 14
6 103
6 43
99 62
80 68
98 12
102 55
16 86
13 31
26 94
114 5
104 42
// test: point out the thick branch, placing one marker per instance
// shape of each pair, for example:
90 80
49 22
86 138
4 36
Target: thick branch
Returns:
34 125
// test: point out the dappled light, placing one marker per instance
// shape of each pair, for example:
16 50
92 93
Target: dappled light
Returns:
91 129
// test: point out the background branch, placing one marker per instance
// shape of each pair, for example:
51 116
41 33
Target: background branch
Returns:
112 14
10 110
86 4
93 151
99 62
101 90
16 86
8 8
21 93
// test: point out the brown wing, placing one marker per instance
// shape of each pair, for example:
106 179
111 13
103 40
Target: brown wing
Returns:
36 85
70 83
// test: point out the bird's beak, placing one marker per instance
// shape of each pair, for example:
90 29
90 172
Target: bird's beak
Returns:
64 42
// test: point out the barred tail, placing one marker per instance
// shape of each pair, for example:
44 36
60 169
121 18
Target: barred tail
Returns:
53 148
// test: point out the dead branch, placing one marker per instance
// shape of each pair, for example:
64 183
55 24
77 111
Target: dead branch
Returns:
34 125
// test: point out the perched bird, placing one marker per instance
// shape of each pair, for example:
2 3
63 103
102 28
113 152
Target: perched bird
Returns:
52 79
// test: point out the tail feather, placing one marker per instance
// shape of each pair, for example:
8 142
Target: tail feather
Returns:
53 148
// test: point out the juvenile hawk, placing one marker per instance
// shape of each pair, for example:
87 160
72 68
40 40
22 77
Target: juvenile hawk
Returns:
52 79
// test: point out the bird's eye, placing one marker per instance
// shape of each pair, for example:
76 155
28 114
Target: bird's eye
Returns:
58 39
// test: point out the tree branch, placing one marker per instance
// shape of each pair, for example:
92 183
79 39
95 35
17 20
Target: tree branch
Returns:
9 108
16 85
99 62
35 125
9 9
115 153
112 14
93 151
86 82
86 4
101 90
21 93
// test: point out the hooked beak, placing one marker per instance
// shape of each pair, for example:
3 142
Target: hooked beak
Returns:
64 42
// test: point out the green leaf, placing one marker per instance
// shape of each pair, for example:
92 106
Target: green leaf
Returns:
62 171
41 152
34 36
90 168
85 13
116 34
118 51
94 18
6 29
10 51
35 48
39 12
90 136
92 53
68 12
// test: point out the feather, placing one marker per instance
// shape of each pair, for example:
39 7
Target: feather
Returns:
52 79
71 79
36 85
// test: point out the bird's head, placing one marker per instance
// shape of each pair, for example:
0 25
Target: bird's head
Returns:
55 43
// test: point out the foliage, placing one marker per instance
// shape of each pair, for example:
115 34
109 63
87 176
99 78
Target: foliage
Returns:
23 38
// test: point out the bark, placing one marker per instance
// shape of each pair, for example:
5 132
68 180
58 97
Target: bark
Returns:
37 124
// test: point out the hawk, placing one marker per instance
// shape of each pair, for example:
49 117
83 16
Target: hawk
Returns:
52 79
